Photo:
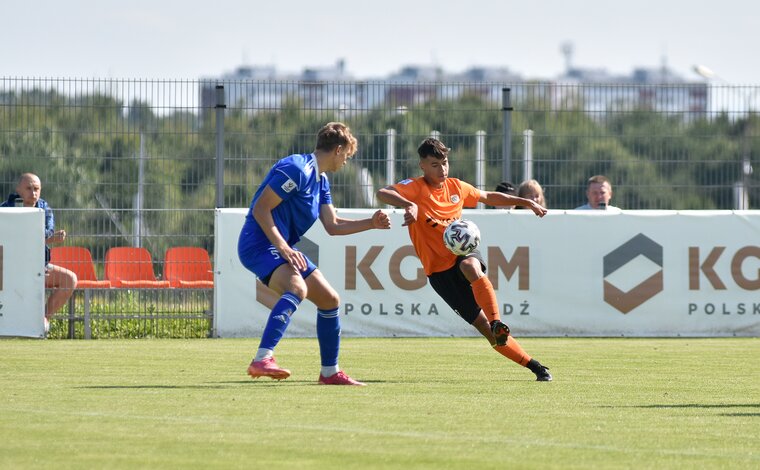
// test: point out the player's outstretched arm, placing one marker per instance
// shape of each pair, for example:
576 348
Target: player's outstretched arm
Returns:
498 199
390 196
537 208
335 225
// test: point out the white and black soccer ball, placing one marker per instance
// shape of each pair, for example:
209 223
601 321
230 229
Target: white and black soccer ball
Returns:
461 237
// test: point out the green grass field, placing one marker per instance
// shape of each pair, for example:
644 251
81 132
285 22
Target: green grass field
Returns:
430 403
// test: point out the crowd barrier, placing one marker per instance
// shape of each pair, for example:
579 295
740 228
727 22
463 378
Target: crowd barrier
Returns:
22 291
571 273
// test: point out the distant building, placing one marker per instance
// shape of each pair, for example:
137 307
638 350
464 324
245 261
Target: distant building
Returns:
416 74
336 73
256 88
596 91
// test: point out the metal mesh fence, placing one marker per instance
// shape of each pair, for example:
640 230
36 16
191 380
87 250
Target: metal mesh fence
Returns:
134 162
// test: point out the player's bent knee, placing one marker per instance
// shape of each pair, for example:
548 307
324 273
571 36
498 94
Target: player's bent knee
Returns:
471 268
327 300
295 286
299 291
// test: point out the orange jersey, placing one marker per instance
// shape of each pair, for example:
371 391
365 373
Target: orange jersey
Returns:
436 208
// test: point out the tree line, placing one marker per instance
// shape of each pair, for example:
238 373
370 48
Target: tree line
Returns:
87 152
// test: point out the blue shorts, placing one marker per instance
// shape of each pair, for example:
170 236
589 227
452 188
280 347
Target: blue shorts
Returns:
263 262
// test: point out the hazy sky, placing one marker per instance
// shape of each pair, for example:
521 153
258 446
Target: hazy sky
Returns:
190 39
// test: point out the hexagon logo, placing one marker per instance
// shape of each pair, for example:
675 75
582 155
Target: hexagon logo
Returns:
619 258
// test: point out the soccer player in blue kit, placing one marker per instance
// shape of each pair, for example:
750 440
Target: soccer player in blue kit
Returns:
291 197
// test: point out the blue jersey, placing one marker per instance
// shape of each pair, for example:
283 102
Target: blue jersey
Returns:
303 190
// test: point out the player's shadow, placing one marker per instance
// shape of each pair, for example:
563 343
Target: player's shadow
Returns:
703 406
295 382
213 385
155 387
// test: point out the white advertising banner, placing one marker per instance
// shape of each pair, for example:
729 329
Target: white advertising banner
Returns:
22 271
571 273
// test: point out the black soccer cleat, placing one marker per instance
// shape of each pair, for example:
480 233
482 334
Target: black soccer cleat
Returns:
541 371
500 332
543 375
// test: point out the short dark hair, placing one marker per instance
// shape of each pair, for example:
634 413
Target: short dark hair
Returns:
506 187
431 147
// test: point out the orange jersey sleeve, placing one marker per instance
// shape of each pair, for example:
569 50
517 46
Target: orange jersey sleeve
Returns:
436 208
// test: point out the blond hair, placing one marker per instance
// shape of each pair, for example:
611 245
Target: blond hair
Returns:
334 134
529 187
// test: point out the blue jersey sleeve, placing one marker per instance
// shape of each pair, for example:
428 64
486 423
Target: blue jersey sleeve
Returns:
286 180
324 191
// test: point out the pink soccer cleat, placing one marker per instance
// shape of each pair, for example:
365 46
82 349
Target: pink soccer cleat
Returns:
338 379
267 367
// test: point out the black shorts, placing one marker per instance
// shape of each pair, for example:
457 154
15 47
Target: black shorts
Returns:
455 289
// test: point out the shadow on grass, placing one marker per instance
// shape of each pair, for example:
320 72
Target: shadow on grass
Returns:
302 382
211 386
699 406
157 387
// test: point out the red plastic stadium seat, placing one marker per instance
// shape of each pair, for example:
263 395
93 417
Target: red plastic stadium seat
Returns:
188 267
79 260
131 267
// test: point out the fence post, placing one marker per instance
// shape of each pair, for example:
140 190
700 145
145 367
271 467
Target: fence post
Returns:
220 107
527 155
480 162
390 162
746 172
140 196
506 129
87 324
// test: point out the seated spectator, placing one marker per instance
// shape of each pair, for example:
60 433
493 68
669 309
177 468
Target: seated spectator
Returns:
598 193
60 280
531 189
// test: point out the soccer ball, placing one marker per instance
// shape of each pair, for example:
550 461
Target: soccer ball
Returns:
461 237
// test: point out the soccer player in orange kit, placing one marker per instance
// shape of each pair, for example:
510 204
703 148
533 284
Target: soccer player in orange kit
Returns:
430 203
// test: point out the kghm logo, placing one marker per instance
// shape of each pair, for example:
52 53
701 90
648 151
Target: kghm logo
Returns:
640 245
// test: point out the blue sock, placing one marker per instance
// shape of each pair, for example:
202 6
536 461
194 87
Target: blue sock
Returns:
279 319
328 334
